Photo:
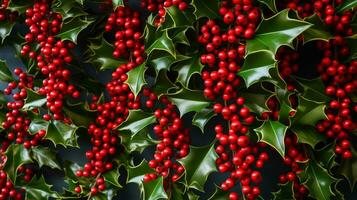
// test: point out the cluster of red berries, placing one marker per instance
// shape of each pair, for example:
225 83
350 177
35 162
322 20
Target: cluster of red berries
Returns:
174 140
225 50
288 65
160 5
51 58
7 188
104 136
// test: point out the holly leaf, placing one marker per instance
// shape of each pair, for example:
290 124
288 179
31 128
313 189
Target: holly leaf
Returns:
34 100
5 73
179 36
352 44
308 112
137 120
117 3
19 6
79 114
136 174
177 18
45 157
72 28
162 43
136 142
313 89
163 84
348 169
207 8
273 133
154 190
270 4
164 62
256 67
307 135
38 189
103 56
326 156
276 31
219 194
317 31
346 5
5 29
201 118
188 100
187 68
284 112
68 9
16 156
256 97
112 177
136 78
318 181
285 192
199 164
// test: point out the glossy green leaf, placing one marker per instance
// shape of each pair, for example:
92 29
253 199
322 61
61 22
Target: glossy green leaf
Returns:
318 181
16 156
201 118
177 18
103 56
317 31
112 177
188 100
137 173
314 89
136 142
276 31
273 133
352 44
207 8
346 5
326 156
5 29
164 62
34 100
179 36
270 4
5 73
199 164
45 157
255 70
136 78
162 43
68 9
154 190
219 194
284 113
38 124
256 97
348 169
137 120
285 192
117 3
71 29
19 6
309 112
307 135
79 114
162 84
39 189
187 68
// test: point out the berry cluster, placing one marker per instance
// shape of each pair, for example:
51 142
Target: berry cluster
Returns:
7 187
51 57
174 140
160 5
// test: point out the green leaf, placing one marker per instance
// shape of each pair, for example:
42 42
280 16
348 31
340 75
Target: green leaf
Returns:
112 177
62 134
34 100
219 194
284 112
285 192
103 56
199 164
270 4
179 36
187 68
79 114
162 84
177 18
317 31
326 156
318 181
5 29
307 135
348 169
71 29
207 8
137 173
309 112
45 157
164 62
273 133
352 44
39 189
154 190
346 5
137 120
5 73
256 97
162 43
69 9
256 67
136 142
314 89
201 118
276 31
136 78
188 100
117 3
17 155
38 124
